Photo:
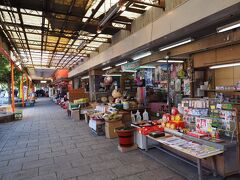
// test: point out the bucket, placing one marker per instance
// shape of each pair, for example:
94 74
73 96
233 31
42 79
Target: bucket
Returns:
126 137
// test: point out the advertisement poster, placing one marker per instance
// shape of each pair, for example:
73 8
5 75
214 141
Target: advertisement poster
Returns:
186 87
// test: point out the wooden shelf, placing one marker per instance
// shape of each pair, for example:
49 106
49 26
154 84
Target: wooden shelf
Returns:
223 91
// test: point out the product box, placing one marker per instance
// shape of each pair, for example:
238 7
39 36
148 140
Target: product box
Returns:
110 128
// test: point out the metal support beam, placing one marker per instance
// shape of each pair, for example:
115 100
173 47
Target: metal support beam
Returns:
89 19
62 28
43 24
12 86
25 35
161 3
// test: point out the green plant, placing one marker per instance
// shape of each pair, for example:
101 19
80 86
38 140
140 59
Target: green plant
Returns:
5 75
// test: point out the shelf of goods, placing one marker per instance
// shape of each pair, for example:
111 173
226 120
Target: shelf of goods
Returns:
207 131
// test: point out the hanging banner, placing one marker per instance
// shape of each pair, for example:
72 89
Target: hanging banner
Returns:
130 66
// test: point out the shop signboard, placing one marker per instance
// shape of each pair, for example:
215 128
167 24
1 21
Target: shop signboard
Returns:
130 66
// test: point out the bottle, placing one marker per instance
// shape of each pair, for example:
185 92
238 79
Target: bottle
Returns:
138 116
145 116
133 117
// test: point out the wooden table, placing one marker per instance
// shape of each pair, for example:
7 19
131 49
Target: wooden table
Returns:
199 158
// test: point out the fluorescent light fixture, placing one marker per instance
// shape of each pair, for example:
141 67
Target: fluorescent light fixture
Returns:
170 61
119 64
142 55
179 43
85 77
149 67
43 82
225 65
229 27
106 68
112 75
131 71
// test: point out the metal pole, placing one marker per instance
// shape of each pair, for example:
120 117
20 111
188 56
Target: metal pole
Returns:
168 87
22 89
27 81
12 84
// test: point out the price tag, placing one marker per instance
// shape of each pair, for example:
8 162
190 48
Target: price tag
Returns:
213 107
219 106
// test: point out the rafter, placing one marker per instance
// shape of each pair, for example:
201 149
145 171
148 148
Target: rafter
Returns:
24 32
63 26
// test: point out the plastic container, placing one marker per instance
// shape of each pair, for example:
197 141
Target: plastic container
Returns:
138 116
145 116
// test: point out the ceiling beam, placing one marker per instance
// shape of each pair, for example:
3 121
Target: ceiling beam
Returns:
63 26
106 40
24 32
42 28
161 3
138 11
89 19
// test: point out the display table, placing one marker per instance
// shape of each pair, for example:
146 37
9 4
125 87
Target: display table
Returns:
176 143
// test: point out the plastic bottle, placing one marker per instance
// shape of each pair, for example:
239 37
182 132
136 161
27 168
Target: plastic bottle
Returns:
133 117
145 116
138 116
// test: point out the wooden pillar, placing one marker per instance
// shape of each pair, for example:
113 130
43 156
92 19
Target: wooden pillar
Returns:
12 84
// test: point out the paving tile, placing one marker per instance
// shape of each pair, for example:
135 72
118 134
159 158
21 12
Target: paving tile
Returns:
30 153
85 161
68 157
21 175
102 175
163 172
23 160
11 156
45 177
132 177
3 163
54 168
52 154
74 172
9 169
106 165
37 163
127 170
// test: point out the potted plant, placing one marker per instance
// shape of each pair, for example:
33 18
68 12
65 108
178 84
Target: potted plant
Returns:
125 136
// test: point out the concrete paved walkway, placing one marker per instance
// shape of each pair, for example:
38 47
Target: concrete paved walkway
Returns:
47 145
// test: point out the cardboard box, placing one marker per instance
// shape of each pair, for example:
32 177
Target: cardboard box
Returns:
75 114
110 128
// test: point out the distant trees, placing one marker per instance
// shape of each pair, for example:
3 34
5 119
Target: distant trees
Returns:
5 75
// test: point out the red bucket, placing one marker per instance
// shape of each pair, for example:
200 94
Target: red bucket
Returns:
126 137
